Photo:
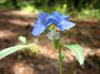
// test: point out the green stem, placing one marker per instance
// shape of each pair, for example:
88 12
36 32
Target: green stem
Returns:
60 60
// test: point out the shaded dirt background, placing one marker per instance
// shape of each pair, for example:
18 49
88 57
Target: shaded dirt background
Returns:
14 23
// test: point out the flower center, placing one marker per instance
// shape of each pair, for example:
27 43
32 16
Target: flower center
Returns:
52 27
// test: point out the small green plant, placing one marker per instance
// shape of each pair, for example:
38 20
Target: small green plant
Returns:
53 24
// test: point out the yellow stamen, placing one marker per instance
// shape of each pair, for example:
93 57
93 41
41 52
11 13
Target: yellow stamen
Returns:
53 27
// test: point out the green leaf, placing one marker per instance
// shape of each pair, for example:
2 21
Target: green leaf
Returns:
78 51
7 51
22 39
10 50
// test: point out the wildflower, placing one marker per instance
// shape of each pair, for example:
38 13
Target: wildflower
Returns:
62 21
44 20
41 24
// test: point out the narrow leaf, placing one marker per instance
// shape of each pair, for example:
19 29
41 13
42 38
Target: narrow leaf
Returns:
10 50
78 51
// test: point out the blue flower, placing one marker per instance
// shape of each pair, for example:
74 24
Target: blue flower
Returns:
41 24
44 20
62 21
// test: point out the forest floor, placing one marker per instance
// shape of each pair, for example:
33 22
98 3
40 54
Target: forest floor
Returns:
14 23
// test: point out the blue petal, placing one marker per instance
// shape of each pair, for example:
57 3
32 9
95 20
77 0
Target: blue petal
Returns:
59 16
65 25
38 28
51 20
65 17
43 21
42 15
46 19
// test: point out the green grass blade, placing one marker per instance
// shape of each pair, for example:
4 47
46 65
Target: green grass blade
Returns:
78 51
